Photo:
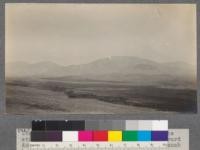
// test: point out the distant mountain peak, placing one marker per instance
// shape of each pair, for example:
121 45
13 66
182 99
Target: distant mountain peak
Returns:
107 66
46 63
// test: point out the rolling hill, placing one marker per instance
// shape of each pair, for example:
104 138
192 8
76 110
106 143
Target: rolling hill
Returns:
117 68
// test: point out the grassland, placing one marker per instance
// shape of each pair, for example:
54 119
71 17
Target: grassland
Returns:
57 96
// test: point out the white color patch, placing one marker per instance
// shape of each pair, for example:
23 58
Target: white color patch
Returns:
70 136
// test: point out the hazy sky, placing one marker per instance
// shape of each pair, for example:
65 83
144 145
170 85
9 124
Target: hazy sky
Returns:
79 33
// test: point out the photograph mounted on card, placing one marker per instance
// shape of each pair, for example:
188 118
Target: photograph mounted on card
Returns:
100 58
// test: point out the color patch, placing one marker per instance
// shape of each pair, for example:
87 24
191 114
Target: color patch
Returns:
105 125
159 125
54 136
144 135
114 136
70 136
145 125
129 135
58 125
131 125
76 125
38 136
38 125
118 125
100 135
91 125
85 136
159 136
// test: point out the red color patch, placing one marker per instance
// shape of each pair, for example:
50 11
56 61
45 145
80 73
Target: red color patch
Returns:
100 135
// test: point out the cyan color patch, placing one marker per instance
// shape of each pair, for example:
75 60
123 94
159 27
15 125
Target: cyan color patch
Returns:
144 135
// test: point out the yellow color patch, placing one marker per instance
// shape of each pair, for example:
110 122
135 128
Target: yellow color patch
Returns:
114 136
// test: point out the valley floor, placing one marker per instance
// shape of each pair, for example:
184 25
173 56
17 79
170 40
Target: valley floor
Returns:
28 100
66 97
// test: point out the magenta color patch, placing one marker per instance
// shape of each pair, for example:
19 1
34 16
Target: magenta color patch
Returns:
85 136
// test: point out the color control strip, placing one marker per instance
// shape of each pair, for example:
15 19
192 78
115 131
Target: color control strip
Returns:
99 130
97 135
178 140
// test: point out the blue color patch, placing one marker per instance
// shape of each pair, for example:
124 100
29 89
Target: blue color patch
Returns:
144 135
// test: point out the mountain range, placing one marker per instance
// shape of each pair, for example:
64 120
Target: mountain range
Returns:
115 68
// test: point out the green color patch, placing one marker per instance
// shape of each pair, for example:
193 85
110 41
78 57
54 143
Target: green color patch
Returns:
129 136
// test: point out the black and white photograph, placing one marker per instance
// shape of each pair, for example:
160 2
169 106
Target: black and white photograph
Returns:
100 58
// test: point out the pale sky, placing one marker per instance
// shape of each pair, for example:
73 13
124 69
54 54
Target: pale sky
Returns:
80 33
